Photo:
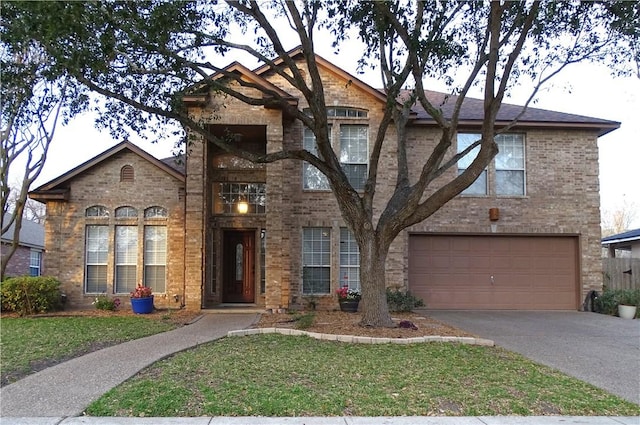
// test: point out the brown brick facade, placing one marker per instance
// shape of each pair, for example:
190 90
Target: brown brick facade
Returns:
562 198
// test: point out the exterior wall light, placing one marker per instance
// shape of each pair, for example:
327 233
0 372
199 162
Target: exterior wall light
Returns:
243 206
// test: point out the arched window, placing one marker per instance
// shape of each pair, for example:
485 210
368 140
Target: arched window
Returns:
155 212
96 211
126 212
126 173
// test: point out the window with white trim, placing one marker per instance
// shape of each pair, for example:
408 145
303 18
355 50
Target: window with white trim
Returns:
349 260
96 211
354 153
155 212
510 165
316 260
96 252
505 175
35 263
126 212
126 258
155 258
312 178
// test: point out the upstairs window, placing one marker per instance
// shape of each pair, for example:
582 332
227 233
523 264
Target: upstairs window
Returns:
227 196
354 154
312 178
127 174
505 175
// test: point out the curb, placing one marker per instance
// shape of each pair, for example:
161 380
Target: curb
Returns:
364 339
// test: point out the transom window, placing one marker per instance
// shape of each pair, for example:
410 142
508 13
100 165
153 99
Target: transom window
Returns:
155 212
349 260
316 260
507 169
96 211
342 112
227 196
126 212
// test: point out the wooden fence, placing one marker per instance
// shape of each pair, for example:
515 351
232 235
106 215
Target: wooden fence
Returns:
621 273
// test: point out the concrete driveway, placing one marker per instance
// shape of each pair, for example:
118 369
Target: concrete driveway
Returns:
599 349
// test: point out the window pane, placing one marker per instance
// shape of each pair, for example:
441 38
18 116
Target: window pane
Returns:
316 258
155 212
96 211
509 182
226 197
349 260
96 252
126 212
312 178
126 258
353 144
511 152
464 141
155 257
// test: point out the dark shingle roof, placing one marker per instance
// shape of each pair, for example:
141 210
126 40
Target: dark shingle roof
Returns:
31 233
472 110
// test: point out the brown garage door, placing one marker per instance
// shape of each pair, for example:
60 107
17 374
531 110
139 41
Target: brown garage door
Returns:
494 272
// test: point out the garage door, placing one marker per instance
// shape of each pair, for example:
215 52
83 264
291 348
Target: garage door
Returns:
494 272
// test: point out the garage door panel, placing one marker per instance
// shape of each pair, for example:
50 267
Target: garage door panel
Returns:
529 272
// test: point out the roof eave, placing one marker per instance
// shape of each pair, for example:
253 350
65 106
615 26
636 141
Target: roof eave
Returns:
602 128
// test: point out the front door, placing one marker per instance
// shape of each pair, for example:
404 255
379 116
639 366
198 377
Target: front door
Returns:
238 267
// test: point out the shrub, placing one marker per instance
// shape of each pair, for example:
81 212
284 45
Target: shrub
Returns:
608 302
102 302
402 301
29 295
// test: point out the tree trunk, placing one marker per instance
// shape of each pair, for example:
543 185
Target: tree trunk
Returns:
375 312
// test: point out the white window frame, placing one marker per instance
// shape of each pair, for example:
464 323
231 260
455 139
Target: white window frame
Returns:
155 257
35 262
349 260
316 257
308 170
491 186
96 236
358 157
125 259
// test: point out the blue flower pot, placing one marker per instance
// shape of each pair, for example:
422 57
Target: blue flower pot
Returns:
142 305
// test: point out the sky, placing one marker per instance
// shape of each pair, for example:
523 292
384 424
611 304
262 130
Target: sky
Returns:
584 89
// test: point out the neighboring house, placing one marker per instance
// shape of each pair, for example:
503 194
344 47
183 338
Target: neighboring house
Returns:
229 232
625 243
28 258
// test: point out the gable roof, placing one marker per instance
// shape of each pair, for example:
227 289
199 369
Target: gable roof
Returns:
471 112
31 233
628 236
56 188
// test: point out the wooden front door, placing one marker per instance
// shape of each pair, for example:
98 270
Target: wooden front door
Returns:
238 267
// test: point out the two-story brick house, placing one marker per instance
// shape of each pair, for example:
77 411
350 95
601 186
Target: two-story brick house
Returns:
526 235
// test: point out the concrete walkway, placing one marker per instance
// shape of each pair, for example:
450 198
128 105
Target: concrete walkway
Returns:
68 388
599 349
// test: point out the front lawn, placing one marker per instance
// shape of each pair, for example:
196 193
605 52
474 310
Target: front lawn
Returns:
31 344
276 375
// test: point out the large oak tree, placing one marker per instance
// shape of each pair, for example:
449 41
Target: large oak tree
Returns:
142 56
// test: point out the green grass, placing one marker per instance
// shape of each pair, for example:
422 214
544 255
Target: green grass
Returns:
275 375
29 344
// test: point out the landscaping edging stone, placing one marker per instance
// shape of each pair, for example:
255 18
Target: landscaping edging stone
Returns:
364 339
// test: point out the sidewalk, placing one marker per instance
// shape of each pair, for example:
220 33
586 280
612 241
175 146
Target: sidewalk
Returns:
68 388
335 420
